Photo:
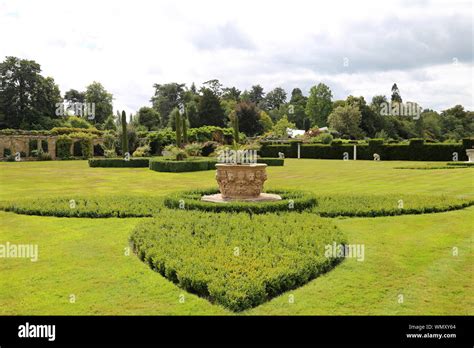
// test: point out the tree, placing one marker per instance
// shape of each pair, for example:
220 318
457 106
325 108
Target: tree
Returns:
124 133
265 121
27 99
74 96
215 86
256 94
457 123
178 125
396 98
346 120
149 117
296 109
319 104
97 94
166 98
371 122
235 126
280 128
231 93
209 109
248 118
275 98
192 113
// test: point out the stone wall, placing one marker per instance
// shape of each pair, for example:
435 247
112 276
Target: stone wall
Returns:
21 143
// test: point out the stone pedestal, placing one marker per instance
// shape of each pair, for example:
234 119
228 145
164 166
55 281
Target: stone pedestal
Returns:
470 155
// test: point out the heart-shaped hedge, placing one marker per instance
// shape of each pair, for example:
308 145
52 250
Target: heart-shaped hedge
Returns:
236 259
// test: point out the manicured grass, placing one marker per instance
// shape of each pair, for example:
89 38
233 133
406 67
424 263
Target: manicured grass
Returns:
409 255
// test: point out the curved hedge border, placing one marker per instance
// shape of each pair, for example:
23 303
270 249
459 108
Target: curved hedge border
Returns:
386 205
221 257
291 201
187 165
87 207
119 163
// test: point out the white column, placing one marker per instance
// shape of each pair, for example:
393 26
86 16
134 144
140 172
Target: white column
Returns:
299 150
355 152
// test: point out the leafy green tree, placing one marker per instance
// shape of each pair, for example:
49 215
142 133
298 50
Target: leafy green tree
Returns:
265 121
275 98
149 117
319 104
124 133
296 109
209 109
215 86
166 98
27 99
231 93
346 120
97 94
457 123
280 128
371 123
248 117
256 94
396 98
192 113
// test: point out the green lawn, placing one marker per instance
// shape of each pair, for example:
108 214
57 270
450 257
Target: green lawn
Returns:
405 255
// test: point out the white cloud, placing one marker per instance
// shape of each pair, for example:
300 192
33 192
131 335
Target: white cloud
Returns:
130 45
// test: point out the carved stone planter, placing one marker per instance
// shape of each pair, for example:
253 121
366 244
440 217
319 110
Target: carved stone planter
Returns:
470 155
241 180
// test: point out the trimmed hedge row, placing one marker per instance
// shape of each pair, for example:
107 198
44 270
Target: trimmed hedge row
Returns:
87 207
161 164
221 257
388 152
188 165
191 200
386 205
119 163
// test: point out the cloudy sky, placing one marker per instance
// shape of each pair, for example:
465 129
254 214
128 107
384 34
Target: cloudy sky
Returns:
355 47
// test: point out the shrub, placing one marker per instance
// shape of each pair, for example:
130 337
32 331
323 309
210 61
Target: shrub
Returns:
324 138
187 165
385 205
291 201
193 149
468 143
63 146
272 161
208 147
142 151
7 152
119 163
88 207
222 258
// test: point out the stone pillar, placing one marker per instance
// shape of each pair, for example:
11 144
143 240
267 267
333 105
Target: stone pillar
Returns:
52 147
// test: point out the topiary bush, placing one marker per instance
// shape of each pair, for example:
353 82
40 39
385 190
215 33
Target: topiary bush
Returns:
222 258
292 200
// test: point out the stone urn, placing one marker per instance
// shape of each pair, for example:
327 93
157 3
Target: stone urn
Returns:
241 182
470 155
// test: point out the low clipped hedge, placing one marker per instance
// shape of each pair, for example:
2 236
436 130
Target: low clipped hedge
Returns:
386 205
87 207
191 200
278 162
187 165
417 150
119 163
222 258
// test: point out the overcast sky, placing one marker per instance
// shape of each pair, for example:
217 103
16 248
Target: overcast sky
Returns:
355 47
